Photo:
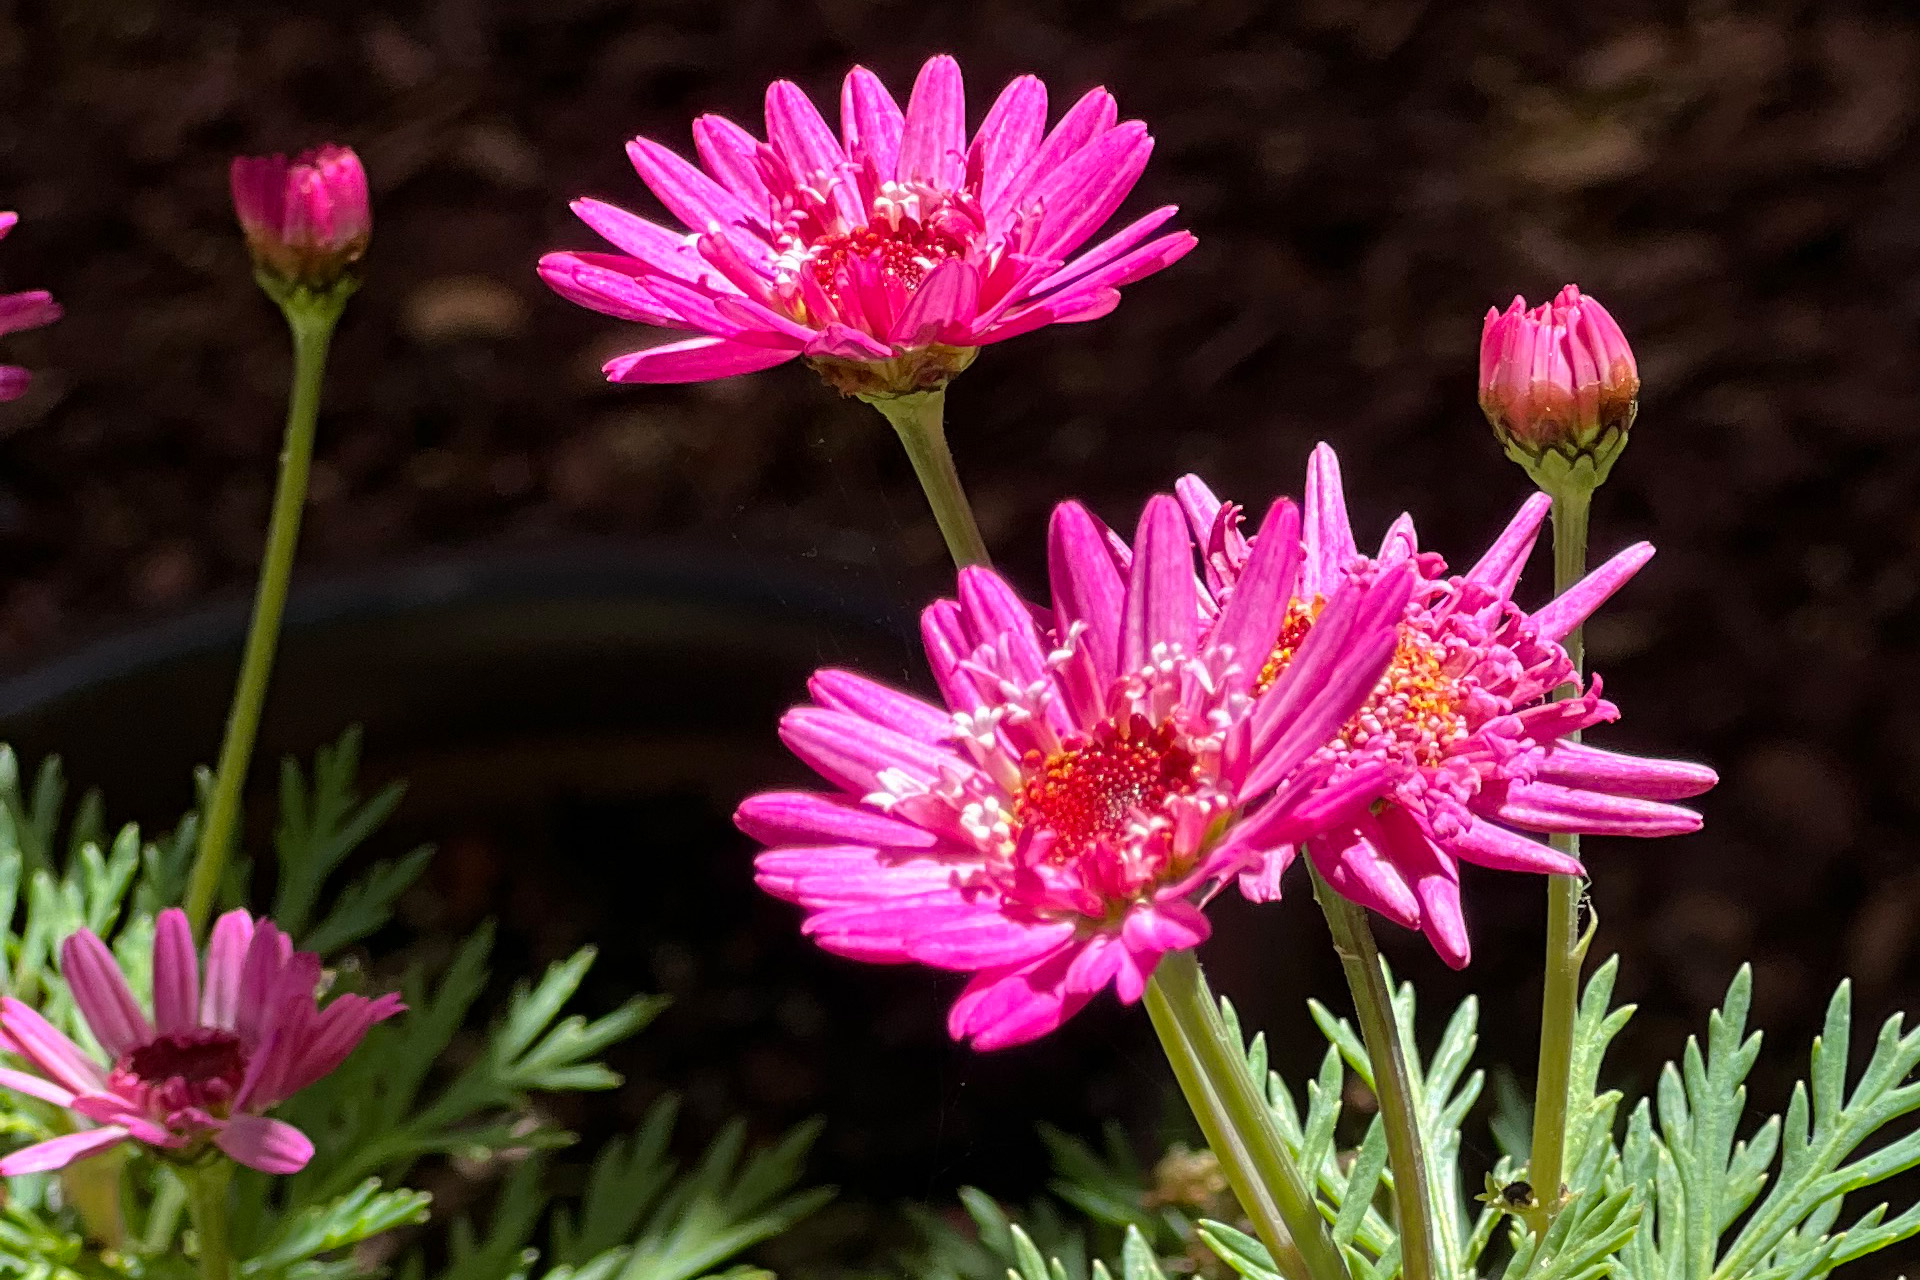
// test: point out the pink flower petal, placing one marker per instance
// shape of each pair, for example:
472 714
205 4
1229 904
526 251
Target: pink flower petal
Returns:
1087 586
871 700
613 288
1359 871
820 877
35 1087
14 382
1499 569
870 123
105 1000
1161 605
58 1153
43 1045
176 973
1542 806
694 360
1584 768
1329 538
271 1146
942 308
1076 309
1558 619
687 192
29 310
659 248
805 818
1079 196
1113 247
1252 618
933 139
986 939
1008 137
226 956
852 752
731 154
1489 845
812 154
1094 114
1009 1006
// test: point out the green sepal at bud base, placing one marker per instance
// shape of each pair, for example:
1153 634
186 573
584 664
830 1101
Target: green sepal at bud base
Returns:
1573 471
911 372
304 306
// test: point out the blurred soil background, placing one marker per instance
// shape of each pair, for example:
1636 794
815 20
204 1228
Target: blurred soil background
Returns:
1739 183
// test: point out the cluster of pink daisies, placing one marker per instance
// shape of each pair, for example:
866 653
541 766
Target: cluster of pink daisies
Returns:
1196 708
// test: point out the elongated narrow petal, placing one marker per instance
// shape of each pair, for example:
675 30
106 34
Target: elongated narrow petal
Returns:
1542 806
111 1012
1499 569
1491 845
871 700
1161 607
870 123
1557 620
1008 136
1089 592
695 360
1573 764
1252 618
176 974
58 1153
933 140
731 155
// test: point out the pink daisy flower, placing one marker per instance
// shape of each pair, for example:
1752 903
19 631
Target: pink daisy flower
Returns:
1475 754
898 235
218 1051
1559 377
1096 770
18 311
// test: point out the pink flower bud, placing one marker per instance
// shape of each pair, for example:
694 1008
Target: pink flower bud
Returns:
306 220
1559 379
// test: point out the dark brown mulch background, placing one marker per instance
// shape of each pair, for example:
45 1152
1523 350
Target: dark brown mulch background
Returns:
1739 183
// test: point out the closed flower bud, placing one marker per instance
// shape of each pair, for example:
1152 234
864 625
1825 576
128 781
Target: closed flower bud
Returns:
306 219
1559 384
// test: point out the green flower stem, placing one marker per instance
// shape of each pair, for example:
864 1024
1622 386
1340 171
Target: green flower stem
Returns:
311 319
1233 1114
917 419
1566 948
207 1199
1353 939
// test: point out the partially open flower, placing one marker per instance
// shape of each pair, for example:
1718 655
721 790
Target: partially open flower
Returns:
219 1050
1098 769
307 220
20 311
1476 757
1560 387
885 255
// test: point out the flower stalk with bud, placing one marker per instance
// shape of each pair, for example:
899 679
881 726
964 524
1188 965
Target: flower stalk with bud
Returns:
307 224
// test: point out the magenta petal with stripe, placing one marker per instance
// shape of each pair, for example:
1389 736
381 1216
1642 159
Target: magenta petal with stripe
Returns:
225 1043
895 235
1474 755
1054 828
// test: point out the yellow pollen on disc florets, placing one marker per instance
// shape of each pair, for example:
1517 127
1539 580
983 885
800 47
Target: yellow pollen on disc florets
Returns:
1414 712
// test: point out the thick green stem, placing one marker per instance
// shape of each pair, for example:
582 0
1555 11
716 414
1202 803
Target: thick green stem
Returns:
207 1200
1353 940
918 419
312 325
1566 949
1233 1114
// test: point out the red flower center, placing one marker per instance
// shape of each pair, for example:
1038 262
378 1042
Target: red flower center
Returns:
1089 790
207 1061
903 252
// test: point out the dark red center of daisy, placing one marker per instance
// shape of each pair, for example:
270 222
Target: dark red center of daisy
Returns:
904 253
1087 791
195 1058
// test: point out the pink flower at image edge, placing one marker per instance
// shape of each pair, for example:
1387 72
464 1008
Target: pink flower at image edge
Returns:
20 311
219 1049
1052 830
895 235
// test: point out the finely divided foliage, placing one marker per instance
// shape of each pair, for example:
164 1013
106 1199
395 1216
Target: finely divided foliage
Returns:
392 1105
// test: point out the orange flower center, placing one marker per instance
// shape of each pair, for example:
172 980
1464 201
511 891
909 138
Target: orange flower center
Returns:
1413 714
1089 790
